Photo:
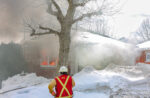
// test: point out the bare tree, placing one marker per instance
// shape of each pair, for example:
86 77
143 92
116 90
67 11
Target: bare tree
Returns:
67 21
96 26
144 30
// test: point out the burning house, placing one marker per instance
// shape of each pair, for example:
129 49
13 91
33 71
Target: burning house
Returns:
145 53
42 55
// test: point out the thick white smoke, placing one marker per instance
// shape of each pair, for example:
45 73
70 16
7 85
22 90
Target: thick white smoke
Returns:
88 49
98 51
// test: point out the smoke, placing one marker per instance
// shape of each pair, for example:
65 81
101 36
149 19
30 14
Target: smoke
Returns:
49 45
44 46
12 15
16 58
98 51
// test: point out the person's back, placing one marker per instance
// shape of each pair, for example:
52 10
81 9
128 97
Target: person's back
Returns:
63 80
63 84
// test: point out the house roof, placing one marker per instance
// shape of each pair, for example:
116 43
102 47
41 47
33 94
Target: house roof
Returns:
145 45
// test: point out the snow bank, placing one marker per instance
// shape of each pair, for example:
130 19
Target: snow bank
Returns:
100 81
21 81
115 81
145 68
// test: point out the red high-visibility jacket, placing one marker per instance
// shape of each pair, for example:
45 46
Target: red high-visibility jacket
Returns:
60 89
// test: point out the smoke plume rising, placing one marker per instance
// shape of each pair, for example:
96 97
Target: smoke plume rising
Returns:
12 15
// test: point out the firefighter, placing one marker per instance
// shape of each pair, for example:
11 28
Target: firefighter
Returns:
63 84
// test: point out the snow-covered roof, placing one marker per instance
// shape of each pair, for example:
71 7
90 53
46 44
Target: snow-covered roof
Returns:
87 37
145 45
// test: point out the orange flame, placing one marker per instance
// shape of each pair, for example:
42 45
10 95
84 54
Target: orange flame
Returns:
52 63
44 63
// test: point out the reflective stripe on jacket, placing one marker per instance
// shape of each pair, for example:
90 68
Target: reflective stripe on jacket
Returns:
63 86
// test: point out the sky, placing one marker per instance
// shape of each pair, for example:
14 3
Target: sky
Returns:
131 16
12 13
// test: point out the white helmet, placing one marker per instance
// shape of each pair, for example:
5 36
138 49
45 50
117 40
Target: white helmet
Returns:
63 69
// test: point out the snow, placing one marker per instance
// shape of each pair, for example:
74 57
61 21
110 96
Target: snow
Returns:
114 81
144 45
111 82
94 38
99 81
22 80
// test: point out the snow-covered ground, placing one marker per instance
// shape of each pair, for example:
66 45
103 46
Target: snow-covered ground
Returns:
113 82
22 80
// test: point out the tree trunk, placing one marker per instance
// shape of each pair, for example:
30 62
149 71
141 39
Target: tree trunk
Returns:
64 41
65 38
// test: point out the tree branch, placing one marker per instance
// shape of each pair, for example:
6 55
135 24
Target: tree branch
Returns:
51 11
33 34
82 4
58 8
69 1
32 29
48 31
101 10
86 15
